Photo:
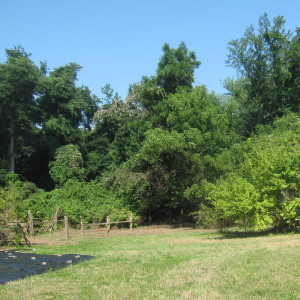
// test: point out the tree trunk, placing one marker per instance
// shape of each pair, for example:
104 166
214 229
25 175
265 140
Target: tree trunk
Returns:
12 148
149 217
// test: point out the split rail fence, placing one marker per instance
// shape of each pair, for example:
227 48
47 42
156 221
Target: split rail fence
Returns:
35 225
6 232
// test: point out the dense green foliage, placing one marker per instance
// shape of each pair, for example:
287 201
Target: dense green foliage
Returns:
13 195
173 158
68 164
75 199
268 62
262 188
170 151
18 84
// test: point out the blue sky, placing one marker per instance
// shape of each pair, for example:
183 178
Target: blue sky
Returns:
119 41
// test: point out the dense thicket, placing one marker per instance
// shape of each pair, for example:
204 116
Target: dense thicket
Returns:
170 151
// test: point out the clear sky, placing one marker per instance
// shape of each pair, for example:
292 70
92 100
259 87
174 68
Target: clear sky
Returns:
119 41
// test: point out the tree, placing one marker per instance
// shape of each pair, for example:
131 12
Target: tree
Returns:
174 157
262 59
68 164
176 68
62 101
109 94
294 69
18 82
119 129
66 117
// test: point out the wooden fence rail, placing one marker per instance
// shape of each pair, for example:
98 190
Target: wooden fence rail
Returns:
107 224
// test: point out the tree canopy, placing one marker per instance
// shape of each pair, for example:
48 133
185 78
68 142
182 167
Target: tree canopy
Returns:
267 61
170 151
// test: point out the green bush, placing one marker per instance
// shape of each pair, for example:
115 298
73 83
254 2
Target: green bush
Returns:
41 204
263 187
76 199
68 164
206 217
13 195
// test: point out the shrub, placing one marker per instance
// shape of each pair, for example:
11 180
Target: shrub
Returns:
263 188
75 199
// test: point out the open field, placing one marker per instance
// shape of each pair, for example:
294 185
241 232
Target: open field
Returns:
166 263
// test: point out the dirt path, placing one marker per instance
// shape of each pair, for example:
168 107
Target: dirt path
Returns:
59 237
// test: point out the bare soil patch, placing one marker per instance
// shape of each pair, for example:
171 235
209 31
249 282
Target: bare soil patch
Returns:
59 237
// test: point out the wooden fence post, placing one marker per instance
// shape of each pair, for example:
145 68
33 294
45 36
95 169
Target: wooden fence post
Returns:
25 234
107 224
55 220
30 223
131 222
81 225
66 219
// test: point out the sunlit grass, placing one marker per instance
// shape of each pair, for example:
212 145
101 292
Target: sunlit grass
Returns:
172 264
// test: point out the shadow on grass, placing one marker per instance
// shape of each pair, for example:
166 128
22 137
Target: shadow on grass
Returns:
15 265
182 225
240 235
230 234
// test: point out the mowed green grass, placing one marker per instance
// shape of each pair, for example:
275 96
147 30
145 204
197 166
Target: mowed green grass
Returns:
168 264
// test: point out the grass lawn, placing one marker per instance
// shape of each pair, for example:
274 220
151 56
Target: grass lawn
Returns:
165 263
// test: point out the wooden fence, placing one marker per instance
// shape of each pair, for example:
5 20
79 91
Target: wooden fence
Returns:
29 229
7 226
47 226
107 225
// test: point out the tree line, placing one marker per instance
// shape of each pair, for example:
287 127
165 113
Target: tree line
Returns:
170 151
